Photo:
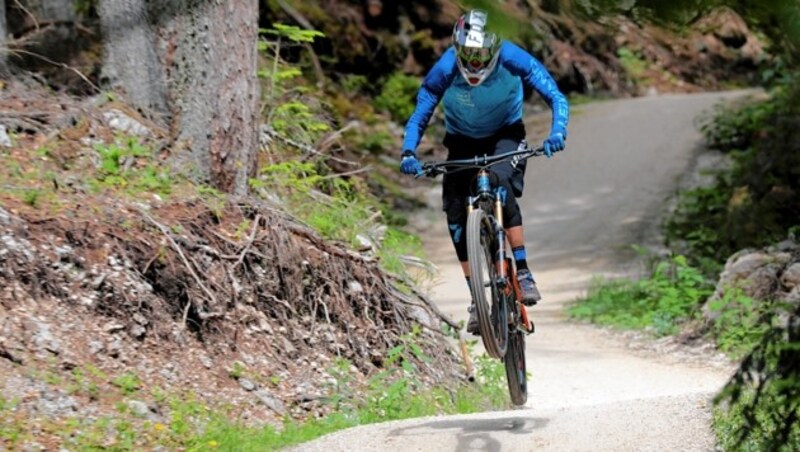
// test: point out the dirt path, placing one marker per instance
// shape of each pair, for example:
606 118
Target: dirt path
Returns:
589 389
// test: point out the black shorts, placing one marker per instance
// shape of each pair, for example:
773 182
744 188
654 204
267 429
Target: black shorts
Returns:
457 186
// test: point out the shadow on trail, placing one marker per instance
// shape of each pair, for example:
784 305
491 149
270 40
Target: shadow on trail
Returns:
474 434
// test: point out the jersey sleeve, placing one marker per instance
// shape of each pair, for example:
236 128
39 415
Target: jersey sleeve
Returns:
535 75
430 93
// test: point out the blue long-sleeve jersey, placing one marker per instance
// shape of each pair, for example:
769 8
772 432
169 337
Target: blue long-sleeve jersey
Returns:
482 110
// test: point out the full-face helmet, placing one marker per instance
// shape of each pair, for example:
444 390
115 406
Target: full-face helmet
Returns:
476 50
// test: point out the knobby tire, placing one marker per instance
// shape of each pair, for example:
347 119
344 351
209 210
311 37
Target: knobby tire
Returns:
491 310
516 373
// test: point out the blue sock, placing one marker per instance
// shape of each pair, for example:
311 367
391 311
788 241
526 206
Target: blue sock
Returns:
520 257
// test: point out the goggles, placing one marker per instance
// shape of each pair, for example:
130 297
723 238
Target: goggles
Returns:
475 58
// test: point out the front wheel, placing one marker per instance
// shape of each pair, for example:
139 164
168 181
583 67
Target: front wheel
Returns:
489 302
516 373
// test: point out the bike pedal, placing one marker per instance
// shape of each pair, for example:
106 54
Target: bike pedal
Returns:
527 331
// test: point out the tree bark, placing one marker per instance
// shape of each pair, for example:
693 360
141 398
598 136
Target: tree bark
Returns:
3 37
207 57
131 63
52 10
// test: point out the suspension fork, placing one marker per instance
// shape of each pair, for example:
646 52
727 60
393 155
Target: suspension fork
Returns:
500 259
484 188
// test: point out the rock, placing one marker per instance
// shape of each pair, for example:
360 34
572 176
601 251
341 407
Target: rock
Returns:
140 319
124 123
63 252
762 283
744 263
32 446
5 140
98 282
114 347
354 287
206 361
728 27
791 276
96 347
772 273
270 401
793 296
422 316
138 408
288 347
54 404
138 331
112 327
5 217
787 246
43 339
246 384
364 243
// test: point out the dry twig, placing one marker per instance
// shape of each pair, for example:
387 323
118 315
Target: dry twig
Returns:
304 147
26 11
55 63
430 304
186 262
249 243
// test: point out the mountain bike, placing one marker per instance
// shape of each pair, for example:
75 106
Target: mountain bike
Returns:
502 318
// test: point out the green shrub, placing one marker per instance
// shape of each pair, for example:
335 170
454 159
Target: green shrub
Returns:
343 208
398 96
738 322
757 201
759 408
633 64
669 296
128 383
129 165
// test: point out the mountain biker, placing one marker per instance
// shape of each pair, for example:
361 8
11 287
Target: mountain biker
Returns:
483 115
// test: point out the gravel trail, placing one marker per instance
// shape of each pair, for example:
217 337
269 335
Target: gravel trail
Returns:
589 389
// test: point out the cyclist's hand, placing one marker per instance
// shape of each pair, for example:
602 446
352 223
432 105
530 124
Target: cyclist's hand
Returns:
554 144
409 163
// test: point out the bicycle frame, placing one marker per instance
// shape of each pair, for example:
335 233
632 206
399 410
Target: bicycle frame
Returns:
485 192
503 309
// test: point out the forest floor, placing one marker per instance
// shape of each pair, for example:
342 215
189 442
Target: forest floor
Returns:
128 291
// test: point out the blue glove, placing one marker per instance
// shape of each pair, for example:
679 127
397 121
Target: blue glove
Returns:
554 144
409 163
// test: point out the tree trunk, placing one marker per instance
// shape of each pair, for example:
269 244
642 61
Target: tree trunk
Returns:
212 63
46 31
131 62
52 10
206 51
3 36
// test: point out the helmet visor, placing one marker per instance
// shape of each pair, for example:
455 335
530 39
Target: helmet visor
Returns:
475 58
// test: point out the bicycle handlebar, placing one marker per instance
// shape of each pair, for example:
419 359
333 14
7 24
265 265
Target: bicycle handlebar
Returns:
433 169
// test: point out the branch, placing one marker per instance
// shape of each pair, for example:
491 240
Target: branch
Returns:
177 248
327 141
445 318
25 10
266 129
249 243
54 63
348 173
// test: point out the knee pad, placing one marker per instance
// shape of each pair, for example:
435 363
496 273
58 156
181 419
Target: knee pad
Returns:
511 213
457 235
